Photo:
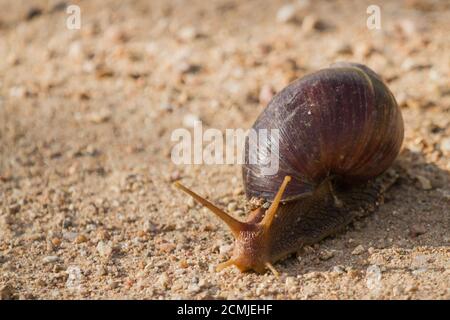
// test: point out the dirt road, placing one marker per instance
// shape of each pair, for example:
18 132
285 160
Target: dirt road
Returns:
87 209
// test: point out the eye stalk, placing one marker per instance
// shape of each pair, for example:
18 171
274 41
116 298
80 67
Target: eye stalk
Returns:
251 246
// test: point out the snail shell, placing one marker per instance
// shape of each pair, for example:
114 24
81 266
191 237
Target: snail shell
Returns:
342 121
339 129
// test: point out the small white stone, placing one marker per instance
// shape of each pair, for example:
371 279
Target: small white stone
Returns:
191 203
74 277
70 236
104 249
358 250
190 120
17 92
163 280
232 206
188 33
339 269
445 144
286 13
266 94
373 278
397 290
326 255
310 23
76 50
290 283
193 288
225 249
113 284
425 184
50 259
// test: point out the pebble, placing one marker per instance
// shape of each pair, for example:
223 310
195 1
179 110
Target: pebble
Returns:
326 255
445 144
103 235
59 6
310 23
338 269
56 242
113 284
70 236
193 288
225 249
99 116
373 277
411 288
184 67
232 206
358 250
76 50
184 264
74 276
188 33
397 291
238 191
416 230
343 48
149 226
81 239
163 281
6 292
190 120
312 275
17 92
420 261
50 259
116 34
101 271
174 176
419 271
353 273
363 50
14 208
266 94
407 27
191 203
410 64
261 289
424 183
287 13
6 220
167 247
33 12
104 249
290 283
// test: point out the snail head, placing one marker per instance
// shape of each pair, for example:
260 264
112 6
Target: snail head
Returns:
251 250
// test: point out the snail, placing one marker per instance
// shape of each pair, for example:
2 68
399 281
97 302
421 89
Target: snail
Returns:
340 129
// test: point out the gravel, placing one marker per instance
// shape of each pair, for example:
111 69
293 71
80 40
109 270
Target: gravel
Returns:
88 209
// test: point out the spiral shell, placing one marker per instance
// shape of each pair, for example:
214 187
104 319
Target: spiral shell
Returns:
341 122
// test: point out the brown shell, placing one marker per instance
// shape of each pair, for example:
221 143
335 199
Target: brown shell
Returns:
341 122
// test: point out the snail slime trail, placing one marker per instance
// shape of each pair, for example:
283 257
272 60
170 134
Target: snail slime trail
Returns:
340 130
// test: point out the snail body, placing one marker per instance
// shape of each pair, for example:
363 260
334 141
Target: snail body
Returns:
340 129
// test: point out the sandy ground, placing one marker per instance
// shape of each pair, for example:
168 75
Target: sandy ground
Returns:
87 209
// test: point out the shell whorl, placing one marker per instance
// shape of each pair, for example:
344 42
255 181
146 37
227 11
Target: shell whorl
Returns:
341 122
